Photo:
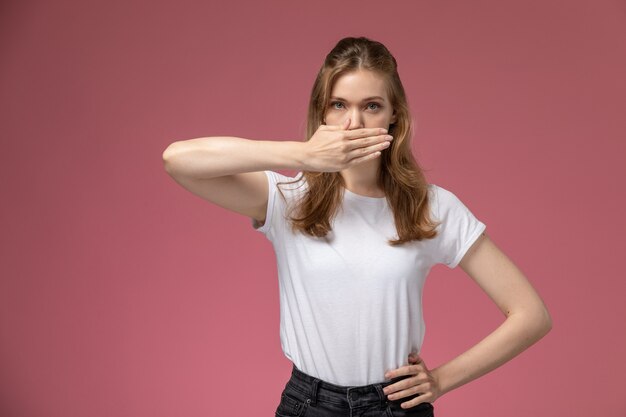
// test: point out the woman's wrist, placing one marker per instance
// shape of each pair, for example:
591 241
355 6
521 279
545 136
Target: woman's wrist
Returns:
441 381
296 155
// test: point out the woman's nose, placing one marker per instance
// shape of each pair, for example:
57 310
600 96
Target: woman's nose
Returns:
356 120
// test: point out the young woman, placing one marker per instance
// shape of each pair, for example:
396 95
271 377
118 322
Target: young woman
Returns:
355 234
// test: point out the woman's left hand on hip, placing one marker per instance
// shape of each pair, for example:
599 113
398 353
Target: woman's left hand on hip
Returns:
421 382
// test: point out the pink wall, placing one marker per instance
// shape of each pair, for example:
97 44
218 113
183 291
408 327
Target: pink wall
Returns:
121 294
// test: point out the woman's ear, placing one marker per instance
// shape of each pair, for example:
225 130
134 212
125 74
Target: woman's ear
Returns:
393 118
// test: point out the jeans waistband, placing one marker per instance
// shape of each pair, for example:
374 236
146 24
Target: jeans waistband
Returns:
341 395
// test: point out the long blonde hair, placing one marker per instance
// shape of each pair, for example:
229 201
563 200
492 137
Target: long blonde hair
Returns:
400 176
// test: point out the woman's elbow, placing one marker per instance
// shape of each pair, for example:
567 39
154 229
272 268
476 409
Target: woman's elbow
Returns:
537 319
547 320
542 320
169 152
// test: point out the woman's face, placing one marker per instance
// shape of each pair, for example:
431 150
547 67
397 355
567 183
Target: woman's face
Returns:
360 96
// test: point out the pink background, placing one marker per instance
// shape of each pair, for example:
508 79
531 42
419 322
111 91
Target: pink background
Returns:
122 294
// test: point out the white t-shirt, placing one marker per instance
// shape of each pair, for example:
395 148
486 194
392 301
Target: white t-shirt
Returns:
351 304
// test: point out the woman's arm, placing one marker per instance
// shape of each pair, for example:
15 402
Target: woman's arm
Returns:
527 319
228 171
217 156
331 148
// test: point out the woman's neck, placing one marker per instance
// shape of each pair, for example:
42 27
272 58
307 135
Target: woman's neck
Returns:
363 178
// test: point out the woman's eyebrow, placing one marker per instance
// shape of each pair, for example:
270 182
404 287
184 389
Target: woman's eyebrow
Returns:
365 99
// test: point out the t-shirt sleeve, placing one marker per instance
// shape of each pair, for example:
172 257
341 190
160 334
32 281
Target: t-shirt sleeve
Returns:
266 227
458 230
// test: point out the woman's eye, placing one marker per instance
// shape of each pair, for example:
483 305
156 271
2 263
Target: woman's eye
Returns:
335 103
